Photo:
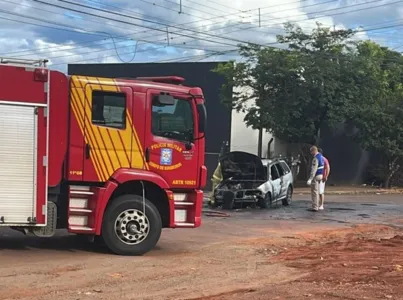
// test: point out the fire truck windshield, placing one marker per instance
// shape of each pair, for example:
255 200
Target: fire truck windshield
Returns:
173 121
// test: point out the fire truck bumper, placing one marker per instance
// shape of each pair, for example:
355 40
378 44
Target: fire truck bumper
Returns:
186 209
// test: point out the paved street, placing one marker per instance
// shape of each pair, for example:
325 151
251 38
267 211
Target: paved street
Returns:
338 209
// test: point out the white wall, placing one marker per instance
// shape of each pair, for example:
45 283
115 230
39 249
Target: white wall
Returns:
245 138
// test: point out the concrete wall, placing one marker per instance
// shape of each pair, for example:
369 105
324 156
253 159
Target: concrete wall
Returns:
245 138
349 163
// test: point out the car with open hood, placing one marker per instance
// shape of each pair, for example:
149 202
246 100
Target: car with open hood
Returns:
248 179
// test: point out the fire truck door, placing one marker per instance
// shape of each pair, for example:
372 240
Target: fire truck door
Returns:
170 148
109 140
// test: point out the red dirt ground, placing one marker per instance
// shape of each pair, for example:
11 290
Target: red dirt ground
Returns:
355 263
225 259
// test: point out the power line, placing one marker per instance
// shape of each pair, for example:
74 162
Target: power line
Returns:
74 48
89 32
203 19
346 12
127 46
116 49
171 9
107 56
340 13
159 23
222 5
130 23
310 18
273 18
242 29
79 30
22 51
215 23
220 53
195 9
276 43
128 10
45 26
192 22
388 26
122 47
102 50
54 12
199 57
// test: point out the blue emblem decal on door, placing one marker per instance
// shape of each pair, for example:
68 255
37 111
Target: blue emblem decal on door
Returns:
166 157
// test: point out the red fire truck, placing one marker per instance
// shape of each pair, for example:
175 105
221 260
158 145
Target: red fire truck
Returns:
116 159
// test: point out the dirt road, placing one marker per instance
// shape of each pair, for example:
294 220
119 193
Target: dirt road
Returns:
349 251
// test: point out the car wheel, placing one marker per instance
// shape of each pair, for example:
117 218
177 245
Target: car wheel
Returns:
131 227
288 199
228 200
265 202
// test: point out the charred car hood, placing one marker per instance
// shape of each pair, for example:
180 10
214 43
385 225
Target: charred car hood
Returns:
242 166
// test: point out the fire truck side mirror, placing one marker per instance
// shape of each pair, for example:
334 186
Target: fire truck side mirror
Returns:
165 99
201 111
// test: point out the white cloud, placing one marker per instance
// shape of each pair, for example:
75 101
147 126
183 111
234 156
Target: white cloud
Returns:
204 27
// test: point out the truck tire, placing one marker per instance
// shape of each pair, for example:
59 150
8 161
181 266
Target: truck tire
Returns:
127 230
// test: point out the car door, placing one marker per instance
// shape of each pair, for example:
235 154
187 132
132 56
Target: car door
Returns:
283 181
275 181
288 176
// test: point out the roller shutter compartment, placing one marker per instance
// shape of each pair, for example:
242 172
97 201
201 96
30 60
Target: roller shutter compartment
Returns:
18 162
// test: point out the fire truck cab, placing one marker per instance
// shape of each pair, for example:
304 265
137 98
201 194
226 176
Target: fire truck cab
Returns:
118 159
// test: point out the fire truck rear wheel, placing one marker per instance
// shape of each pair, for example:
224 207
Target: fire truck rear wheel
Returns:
131 227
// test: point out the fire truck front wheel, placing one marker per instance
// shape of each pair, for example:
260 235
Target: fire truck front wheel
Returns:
131 226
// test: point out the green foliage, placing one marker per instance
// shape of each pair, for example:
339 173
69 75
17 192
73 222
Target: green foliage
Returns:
321 79
296 91
378 109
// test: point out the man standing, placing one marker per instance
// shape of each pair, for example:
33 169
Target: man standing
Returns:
316 176
322 184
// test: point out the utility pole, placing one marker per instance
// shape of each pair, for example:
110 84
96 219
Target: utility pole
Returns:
260 24
180 6
167 36
260 142
260 137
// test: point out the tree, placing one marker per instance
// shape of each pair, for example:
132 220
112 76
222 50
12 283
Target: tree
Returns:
322 79
377 113
295 91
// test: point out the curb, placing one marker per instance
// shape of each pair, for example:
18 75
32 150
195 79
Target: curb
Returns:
353 193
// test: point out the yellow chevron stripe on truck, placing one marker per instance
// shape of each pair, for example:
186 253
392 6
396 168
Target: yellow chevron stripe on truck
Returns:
111 148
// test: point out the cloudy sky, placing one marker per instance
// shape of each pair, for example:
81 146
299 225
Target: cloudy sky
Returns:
111 31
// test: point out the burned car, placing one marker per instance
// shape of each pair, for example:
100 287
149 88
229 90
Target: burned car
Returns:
250 180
